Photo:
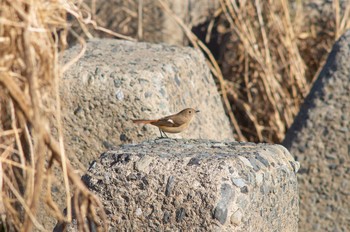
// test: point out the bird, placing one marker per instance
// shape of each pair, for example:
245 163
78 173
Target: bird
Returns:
174 123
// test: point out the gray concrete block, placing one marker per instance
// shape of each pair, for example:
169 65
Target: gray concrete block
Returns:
319 139
197 185
117 81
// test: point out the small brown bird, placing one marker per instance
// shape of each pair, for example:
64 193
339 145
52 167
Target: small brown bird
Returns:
175 123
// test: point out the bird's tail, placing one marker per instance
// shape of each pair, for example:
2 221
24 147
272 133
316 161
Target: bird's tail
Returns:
143 121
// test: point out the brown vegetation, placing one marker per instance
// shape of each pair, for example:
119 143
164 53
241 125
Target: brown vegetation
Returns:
272 58
31 35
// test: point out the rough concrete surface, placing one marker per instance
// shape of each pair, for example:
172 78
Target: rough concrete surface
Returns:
320 140
117 81
197 185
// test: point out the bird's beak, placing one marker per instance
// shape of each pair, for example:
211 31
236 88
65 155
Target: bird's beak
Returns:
197 111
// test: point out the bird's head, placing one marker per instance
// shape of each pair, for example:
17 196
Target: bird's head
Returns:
189 112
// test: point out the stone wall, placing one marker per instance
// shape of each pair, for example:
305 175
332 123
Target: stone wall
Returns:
197 185
320 140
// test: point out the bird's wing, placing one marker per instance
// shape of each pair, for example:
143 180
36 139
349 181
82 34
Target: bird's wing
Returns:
167 121
178 121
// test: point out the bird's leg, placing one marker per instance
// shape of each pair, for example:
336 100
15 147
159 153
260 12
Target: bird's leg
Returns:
161 134
160 131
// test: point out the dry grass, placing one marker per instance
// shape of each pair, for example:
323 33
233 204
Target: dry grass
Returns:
32 33
279 52
269 84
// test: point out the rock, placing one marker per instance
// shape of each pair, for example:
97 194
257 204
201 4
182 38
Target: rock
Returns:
180 214
239 182
166 217
143 164
236 218
169 186
117 81
319 142
221 209
210 194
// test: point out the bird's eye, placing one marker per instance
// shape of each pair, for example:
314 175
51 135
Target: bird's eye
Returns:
190 111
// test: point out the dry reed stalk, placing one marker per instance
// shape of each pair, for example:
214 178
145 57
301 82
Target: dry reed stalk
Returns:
31 36
342 19
272 66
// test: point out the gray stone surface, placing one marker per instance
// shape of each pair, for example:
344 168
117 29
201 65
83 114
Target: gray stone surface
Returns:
117 81
197 185
320 140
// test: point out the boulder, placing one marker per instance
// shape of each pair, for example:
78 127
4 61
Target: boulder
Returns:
319 139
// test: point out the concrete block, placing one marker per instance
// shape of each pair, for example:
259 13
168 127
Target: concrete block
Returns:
117 81
320 140
197 185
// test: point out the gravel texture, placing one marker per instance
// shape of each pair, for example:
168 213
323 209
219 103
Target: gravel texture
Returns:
320 140
197 185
